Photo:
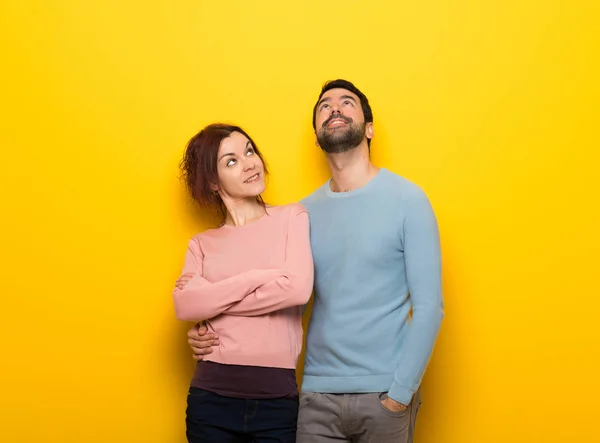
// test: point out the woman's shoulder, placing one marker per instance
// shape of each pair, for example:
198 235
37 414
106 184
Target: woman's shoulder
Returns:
289 209
212 232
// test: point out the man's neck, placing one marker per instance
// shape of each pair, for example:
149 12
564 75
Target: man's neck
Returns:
352 169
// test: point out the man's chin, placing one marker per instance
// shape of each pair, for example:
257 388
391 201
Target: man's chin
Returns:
335 138
337 130
337 148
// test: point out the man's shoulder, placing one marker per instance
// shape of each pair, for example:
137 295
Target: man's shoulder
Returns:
401 187
315 196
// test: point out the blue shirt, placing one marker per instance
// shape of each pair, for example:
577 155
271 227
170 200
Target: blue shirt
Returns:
378 299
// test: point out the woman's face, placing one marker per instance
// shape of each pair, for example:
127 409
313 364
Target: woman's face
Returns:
240 169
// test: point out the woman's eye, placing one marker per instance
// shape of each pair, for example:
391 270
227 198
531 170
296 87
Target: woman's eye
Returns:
231 162
250 151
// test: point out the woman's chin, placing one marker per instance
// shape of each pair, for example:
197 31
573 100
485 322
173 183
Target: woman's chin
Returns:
258 189
252 191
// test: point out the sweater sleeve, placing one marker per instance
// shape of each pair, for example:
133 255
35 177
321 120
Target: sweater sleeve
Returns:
294 283
423 272
203 300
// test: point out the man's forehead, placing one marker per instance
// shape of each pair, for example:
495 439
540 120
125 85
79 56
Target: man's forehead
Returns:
338 92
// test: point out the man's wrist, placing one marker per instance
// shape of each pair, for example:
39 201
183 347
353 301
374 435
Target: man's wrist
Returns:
398 403
401 394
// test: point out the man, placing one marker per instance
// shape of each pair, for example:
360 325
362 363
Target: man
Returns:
378 302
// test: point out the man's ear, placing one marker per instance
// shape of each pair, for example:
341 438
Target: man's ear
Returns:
316 140
369 130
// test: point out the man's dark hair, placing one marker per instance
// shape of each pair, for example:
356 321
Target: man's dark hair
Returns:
345 84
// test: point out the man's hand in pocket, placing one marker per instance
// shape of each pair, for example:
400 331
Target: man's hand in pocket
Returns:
393 405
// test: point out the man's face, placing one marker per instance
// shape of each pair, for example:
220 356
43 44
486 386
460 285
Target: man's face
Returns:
339 120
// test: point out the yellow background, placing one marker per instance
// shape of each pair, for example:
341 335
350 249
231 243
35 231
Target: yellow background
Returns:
491 106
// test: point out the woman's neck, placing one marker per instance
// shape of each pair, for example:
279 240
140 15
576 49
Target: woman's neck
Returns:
244 211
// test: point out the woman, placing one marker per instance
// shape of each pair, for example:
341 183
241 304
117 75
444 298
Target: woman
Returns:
248 280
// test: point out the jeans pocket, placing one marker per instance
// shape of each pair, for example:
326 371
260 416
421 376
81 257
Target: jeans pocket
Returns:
306 398
382 396
197 392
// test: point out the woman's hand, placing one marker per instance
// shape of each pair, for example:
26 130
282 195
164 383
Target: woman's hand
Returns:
184 279
201 341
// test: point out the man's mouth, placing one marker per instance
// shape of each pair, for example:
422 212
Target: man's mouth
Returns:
253 178
336 122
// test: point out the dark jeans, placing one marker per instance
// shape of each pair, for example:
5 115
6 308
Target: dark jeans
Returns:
212 418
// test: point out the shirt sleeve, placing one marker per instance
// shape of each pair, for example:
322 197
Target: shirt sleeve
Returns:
424 275
294 283
203 300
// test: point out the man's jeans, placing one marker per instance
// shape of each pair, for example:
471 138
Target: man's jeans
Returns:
356 418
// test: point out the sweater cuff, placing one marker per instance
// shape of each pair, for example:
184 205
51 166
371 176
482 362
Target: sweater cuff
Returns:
401 394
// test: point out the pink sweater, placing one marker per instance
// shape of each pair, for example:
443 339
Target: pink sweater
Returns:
250 284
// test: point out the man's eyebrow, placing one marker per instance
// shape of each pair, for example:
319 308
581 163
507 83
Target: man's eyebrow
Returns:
327 99
323 100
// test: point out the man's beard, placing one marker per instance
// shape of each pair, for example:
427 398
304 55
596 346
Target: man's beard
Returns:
341 139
